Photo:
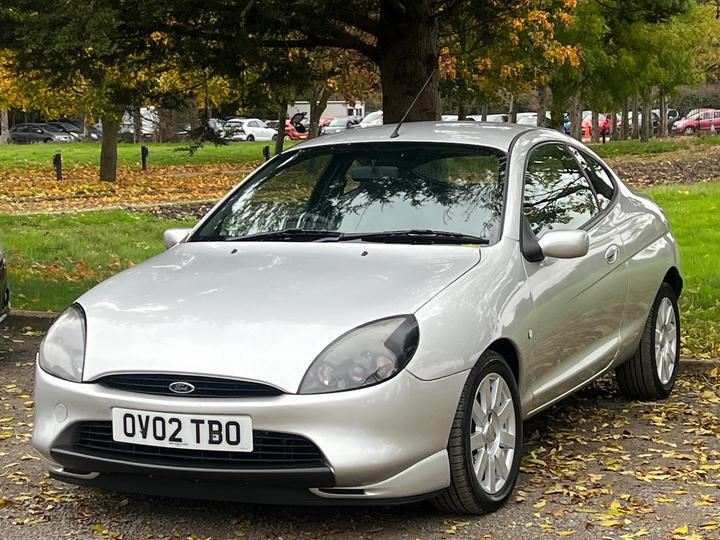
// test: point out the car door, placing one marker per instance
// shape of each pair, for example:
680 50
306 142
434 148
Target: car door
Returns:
578 302
19 134
716 121
267 133
705 120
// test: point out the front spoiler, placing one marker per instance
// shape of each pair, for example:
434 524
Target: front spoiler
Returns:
80 464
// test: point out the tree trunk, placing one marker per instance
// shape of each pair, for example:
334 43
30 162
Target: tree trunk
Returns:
647 121
137 125
576 117
595 127
4 127
542 106
462 110
612 130
318 103
484 112
408 55
635 123
664 115
108 149
624 121
85 128
282 117
512 110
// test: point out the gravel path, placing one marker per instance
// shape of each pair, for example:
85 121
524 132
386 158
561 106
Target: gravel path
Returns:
596 466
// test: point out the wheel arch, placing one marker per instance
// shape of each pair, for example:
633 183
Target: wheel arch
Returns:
673 278
507 349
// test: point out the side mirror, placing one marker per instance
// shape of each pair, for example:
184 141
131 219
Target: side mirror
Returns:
172 237
565 244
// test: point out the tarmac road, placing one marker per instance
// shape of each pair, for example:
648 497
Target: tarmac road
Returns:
595 466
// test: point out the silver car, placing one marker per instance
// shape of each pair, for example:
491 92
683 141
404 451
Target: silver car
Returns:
366 318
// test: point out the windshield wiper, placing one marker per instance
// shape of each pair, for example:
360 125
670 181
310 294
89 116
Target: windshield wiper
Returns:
411 236
285 235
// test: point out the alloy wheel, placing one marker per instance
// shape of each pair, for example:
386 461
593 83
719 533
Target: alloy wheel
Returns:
493 433
665 340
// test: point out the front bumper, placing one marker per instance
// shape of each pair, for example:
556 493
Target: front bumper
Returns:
379 443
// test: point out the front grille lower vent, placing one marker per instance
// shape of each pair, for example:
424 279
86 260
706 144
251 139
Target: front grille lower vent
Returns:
204 387
270 450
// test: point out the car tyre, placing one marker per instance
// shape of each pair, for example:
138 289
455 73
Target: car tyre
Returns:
287 138
689 130
651 372
250 138
490 389
274 137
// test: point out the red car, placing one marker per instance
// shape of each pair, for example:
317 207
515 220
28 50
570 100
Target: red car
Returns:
701 120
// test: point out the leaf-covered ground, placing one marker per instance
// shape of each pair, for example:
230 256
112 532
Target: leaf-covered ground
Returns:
595 466
33 189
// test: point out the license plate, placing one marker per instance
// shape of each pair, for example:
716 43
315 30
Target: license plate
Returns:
190 431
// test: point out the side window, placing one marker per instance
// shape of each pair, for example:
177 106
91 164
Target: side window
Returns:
557 195
600 180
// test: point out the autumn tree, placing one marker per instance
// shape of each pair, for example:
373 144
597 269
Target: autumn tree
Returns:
107 52
514 59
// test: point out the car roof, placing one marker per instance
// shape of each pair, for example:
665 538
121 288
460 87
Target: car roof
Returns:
491 134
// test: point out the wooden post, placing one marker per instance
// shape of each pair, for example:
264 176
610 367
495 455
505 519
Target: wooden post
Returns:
143 157
57 163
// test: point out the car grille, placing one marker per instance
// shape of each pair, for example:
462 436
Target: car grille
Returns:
205 387
270 451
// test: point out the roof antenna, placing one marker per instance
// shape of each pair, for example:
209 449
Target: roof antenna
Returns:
396 131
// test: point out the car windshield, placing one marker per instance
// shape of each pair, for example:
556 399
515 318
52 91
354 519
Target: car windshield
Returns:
338 122
368 188
53 129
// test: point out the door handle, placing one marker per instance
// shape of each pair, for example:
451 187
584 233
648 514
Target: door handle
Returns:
611 254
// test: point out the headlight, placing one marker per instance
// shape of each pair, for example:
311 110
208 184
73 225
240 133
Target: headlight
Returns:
364 356
62 352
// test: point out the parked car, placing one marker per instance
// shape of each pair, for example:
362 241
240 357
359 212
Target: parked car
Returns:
701 120
217 125
341 123
4 288
249 129
531 119
296 127
60 130
673 115
655 121
66 127
372 119
33 133
366 319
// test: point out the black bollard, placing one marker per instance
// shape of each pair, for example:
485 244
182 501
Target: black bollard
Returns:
143 156
266 152
57 163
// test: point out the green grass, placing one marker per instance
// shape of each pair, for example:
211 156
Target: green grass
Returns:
21 155
14 156
55 258
52 259
653 146
694 214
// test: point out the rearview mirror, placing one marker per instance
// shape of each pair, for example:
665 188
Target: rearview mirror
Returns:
565 244
174 236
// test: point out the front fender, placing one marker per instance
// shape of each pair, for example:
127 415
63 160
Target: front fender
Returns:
490 302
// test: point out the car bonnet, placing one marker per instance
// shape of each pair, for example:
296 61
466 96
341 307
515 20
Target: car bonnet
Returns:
255 311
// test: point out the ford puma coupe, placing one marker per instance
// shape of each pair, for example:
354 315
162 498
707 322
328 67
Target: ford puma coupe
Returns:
366 318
